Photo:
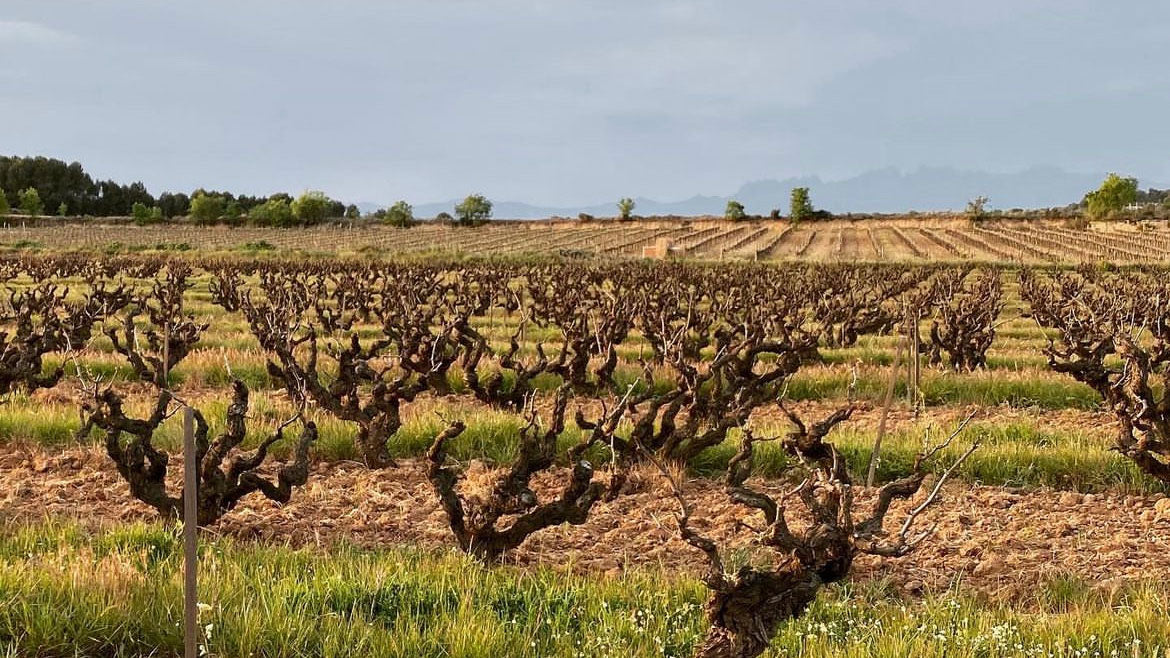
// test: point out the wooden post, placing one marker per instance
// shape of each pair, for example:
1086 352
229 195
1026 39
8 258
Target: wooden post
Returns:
190 538
909 359
886 404
914 359
916 366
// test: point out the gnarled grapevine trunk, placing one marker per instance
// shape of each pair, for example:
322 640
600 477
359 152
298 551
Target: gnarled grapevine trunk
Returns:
491 524
745 617
1113 334
745 610
965 324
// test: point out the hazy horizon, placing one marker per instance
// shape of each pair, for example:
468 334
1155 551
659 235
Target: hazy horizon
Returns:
574 104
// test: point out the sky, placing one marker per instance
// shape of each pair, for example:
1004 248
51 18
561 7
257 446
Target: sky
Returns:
562 102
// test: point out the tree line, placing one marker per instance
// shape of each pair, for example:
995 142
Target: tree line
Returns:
38 186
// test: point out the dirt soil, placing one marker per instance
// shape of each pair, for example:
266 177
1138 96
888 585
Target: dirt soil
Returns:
1000 542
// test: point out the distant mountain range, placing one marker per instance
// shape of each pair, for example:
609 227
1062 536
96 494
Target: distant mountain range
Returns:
883 190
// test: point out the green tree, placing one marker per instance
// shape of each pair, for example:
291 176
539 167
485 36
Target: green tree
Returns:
206 207
275 211
30 202
626 207
311 207
233 210
62 209
4 207
1114 195
140 212
735 211
174 205
156 214
352 212
56 182
799 204
474 209
977 209
401 214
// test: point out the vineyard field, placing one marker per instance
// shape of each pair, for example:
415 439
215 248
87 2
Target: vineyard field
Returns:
1035 241
474 457
584 330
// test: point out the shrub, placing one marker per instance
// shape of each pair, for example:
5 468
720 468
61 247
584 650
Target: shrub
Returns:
735 211
30 202
140 212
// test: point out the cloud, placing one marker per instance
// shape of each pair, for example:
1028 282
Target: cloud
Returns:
27 33
568 102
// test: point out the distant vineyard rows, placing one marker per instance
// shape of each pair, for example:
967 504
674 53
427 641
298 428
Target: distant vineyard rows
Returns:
838 241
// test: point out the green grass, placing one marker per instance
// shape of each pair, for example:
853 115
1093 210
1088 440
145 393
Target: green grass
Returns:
64 592
883 355
1011 454
984 388
1017 374
491 435
1017 453
231 356
44 425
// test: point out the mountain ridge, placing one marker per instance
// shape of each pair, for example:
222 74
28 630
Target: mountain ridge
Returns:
887 190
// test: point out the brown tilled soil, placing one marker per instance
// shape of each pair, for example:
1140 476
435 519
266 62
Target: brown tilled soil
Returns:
1000 542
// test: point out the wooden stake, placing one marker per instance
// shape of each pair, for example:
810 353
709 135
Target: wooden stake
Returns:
909 360
886 404
190 538
916 365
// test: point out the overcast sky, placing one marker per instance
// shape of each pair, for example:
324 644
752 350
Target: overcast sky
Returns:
559 102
